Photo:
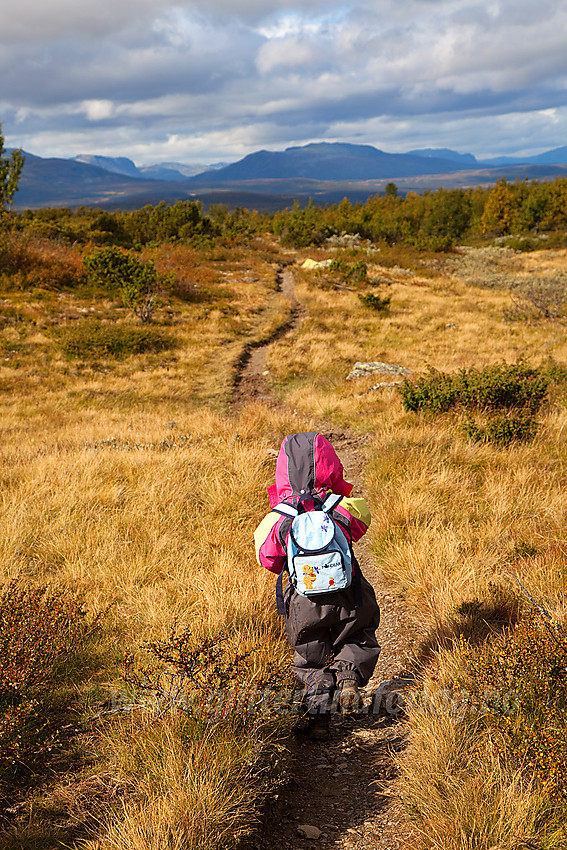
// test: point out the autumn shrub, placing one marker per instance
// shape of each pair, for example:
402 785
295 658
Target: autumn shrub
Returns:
92 339
202 678
28 262
42 633
530 665
202 745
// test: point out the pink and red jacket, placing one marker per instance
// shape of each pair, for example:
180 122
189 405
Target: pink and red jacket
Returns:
307 463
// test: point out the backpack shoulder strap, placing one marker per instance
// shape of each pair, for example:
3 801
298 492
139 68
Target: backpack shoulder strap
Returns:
283 530
285 510
331 502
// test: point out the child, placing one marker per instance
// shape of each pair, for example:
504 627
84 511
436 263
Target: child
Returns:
332 633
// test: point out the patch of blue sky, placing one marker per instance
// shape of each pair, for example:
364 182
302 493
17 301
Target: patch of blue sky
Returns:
294 23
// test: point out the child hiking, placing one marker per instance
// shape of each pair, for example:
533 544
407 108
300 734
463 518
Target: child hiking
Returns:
329 608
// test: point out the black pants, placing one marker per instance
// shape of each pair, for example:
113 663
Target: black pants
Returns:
333 638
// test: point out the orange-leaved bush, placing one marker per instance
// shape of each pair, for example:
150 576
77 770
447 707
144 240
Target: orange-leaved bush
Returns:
529 666
42 631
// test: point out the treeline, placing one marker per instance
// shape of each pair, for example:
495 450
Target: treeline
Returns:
434 220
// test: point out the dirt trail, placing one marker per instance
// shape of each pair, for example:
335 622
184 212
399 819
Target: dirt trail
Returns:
343 787
250 380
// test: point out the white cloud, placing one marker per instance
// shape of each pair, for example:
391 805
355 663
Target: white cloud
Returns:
140 76
97 110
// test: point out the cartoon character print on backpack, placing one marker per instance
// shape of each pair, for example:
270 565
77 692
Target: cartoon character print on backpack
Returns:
309 576
318 552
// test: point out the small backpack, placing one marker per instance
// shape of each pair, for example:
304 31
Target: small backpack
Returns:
318 553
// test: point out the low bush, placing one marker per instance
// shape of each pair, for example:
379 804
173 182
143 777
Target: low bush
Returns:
207 678
530 666
355 272
205 747
135 282
502 429
41 634
504 399
375 302
499 387
28 262
540 297
92 339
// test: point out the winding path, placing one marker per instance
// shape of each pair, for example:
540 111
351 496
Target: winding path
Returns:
344 787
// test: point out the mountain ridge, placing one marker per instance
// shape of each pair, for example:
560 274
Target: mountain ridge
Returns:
324 170
328 161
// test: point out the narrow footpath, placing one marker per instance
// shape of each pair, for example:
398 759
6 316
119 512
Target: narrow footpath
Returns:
343 789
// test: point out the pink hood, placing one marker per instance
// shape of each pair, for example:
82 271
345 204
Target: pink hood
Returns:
307 463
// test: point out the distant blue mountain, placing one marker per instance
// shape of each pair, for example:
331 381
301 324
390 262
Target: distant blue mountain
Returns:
329 161
68 182
324 171
447 154
557 156
114 164
175 171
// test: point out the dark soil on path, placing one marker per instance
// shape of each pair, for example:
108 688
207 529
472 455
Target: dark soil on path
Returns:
250 379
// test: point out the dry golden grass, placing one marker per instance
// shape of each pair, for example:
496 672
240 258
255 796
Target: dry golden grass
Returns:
164 534
230 305
463 802
454 516
129 481
451 514
453 519
132 481
457 782
437 321
184 793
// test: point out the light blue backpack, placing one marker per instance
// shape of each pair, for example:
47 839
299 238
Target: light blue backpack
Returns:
318 552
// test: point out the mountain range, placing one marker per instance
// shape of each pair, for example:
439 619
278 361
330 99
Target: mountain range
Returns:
325 171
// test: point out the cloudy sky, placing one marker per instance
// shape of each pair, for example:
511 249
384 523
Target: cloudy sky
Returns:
209 80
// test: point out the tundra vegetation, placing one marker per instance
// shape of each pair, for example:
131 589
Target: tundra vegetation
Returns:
139 638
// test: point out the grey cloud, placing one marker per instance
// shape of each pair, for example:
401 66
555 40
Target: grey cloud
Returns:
66 72
33 20
149 71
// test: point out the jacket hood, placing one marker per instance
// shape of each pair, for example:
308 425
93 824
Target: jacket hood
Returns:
307 463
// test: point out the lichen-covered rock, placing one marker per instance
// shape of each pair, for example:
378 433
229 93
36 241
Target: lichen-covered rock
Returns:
360 370
385 385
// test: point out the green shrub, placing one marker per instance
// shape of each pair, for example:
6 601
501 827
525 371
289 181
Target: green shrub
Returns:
502 429
436 392
522 243
375 302
41 631
92 339
505 398
355 272
134 281
555 372
499 387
